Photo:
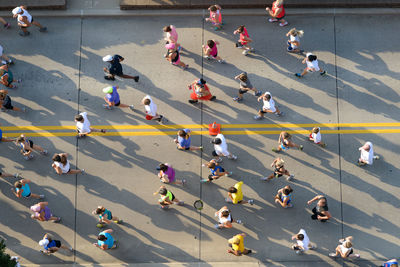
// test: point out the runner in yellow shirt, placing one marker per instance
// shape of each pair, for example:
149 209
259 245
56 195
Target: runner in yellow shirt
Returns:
235 195
237 245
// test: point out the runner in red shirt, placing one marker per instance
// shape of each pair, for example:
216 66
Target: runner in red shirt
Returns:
277 13
244 40
200 92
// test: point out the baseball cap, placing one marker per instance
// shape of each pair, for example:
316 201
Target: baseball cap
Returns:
16 10
107 58
108 90
44 242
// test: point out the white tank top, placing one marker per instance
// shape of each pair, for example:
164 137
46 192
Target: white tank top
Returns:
25 14
64 168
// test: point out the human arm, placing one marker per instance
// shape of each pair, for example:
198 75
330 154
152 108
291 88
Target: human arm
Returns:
56 168
108 102
314 199
273 163
23 21
304 60
327 215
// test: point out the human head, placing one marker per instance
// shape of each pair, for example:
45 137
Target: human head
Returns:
210 43
287 190
108 58
311 57
79 118
201 82
299 236
295 32
366 147
211 165
232 189
60 158
279 163
163 191
234 240
147 102
18 184
182 133
3 93
243 77
267 96
108 90
213 8
286 135
240 29
225 213
321 202
167 28
163 167
279 2
315 130
21 139
99 210
102 238
216 141
347 244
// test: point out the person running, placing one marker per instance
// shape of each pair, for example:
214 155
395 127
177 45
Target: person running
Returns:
151 109
284 197
303 242
4 58
22 189
7 77
244 40
51 246
25 20
6 104
320 212
236 244
315 136
27 146
83 125
285 143
221 148
61 165
43 213
105 217
112 98
345 249
294 40
225 218
245 86
184 140
200 92
279 170
216 171
277 13
167 198
105 240
167 174
171 36
312 65
4 138
6 25
173 56
235 195
390 263
367 154
115 68
6 174
268 107
215 17
211 51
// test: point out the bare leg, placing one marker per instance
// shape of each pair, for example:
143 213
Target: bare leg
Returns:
38 148
128 76
35 196
5 139
97 130
4 174
37 24
3 21
195 148
74 171
304 72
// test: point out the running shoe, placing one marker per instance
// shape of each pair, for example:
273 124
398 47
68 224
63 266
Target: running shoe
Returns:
290 177
41 196
239 222
323 73
181 203
245 52
221 61
17 175
58 220
132 107
204 180
44 152
83 171
233 157
301 147
257 117
258 93
264 179
7 25
283 24
275 150
376 157
216 226
21 33
332 254
136 78
107 106
228 174
213 98
279 114
251 201
43 29
272 20
237 99
298 75
193 101
219 160
183 182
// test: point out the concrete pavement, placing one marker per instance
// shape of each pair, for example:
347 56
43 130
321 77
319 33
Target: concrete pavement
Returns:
360 87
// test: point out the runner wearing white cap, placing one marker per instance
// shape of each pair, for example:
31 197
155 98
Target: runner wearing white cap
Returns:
115 68
25 20
51 246
268 107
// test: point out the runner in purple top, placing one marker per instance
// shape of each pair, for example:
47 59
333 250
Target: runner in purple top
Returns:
167 174
43 213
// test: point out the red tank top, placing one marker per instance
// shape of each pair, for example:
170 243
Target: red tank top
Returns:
275 7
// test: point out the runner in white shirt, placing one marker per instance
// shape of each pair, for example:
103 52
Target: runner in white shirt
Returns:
221 148
225 219
268 107
83 125
367 154
303 242
315 136
25 20
151 109
294 42
312 65
61 165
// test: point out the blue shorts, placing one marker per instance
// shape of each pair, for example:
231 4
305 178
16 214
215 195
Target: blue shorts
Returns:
284 148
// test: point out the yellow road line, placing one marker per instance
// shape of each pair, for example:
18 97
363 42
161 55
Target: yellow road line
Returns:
239 132
198 126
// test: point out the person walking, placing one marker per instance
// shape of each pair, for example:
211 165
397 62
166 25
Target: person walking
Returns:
221 148
5 60
279 170
277 13
115 68
303 242
312 66
183 141
7 77
225 218
105 217
112 98
284 197
390 263
171 36
62 166
367 154
200 92
105 240
216 171
294 40
27 147
173 56
22 189
151 110
51 245
235 195
315 136
215 17
167 198
345 249
321 210
244 40
167 174
245 86
285 142
211 51
236 244
83 125
6 103
43 213
25 20
268 106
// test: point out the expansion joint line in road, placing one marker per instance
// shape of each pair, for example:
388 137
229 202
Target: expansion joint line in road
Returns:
227 129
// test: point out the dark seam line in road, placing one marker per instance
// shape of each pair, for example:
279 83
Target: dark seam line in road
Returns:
201 132
77 140
338 128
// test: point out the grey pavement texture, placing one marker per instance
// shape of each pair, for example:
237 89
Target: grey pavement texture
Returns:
361 86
